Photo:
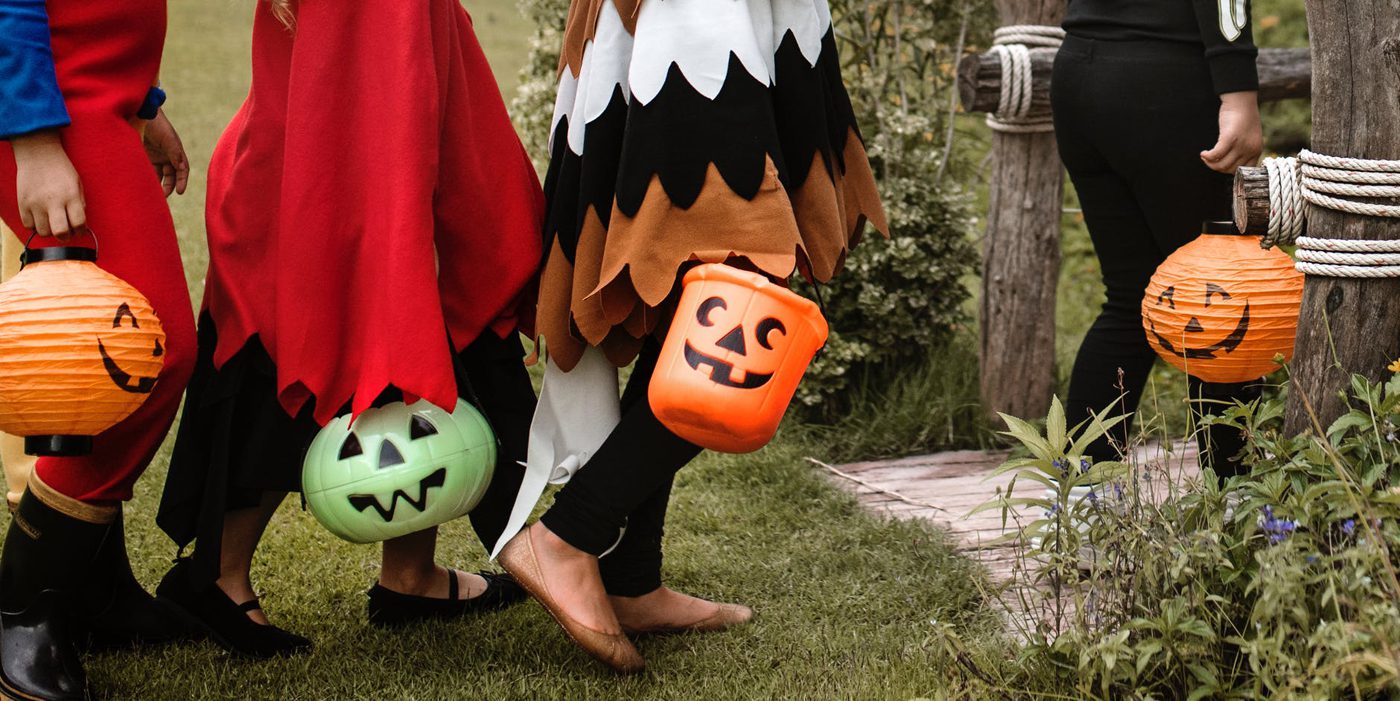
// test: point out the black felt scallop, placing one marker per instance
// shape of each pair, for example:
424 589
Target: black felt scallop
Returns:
575 182
813 107
681 132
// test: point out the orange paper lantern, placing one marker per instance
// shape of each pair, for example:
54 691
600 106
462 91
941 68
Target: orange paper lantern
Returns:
80 350
1221 308
732 359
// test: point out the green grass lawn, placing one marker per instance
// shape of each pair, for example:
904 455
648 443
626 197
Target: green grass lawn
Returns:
845 601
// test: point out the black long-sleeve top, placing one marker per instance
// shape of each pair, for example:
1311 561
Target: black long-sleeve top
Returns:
1222 28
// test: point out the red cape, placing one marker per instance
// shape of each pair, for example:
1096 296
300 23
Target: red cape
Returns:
370 197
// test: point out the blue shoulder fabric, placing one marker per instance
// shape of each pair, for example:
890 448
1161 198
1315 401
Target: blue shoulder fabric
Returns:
29 96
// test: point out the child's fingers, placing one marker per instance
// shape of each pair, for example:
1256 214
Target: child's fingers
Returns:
41 222
182 174
76 214
26 218
58 223
167 178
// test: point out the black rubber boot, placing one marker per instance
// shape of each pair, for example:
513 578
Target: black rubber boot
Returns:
46 554
118 611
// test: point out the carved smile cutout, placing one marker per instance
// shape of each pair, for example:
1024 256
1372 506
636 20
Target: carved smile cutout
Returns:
1227 345
362 502
722 373
120 377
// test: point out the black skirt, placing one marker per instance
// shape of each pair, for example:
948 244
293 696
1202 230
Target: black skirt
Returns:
235 441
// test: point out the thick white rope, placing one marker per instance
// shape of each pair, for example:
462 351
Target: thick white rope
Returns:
1333 182
1348 257
1286 209
1011 45
1344 184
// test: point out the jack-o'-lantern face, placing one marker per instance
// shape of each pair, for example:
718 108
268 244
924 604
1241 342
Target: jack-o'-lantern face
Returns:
1229 322
125 318
722 355
398 469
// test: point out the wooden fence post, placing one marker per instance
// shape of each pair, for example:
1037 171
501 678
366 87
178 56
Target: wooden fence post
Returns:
1349 325
1021 255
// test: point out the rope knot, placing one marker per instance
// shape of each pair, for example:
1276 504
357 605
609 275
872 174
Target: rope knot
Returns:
1012 47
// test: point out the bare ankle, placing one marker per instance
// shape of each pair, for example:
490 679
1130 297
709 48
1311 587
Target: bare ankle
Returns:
415 580
236 587
556 546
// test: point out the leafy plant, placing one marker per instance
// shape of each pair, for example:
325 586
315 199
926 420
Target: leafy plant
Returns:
897 299
1281 583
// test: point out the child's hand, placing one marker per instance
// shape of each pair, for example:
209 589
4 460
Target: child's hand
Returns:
167 154
49 192
1241 135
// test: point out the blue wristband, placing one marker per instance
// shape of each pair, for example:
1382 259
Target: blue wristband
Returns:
155 97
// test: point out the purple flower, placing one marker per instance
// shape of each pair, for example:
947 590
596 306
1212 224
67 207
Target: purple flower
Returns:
1349 526
1060 465
1277 529
1084 465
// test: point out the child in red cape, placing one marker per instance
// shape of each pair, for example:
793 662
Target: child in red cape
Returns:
373 226
76 82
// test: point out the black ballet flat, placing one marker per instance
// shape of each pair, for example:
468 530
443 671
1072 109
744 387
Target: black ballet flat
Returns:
390 609
226 622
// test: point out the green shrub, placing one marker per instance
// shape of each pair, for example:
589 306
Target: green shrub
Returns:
533 105
900 298
897 299
1281 584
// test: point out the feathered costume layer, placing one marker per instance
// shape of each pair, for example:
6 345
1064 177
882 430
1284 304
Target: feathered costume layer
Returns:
692 130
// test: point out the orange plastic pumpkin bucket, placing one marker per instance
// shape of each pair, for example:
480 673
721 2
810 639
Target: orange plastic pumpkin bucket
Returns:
737 347
80 350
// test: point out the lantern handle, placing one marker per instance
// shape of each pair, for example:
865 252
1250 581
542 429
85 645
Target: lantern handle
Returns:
24 257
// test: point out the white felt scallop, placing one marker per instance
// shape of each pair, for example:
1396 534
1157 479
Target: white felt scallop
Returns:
564 98
698 36
808 21
604 68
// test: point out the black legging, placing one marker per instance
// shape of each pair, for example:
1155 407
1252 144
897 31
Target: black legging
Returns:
1131 119
627 483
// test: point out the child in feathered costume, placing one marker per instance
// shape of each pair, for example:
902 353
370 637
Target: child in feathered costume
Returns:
685 131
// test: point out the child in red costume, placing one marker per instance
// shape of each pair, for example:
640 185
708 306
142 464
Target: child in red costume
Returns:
371 215
77 84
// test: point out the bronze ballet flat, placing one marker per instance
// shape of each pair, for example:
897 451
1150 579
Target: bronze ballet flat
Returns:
728 616
612 649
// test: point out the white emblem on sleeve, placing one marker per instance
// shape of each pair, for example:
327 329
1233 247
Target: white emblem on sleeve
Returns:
1232 18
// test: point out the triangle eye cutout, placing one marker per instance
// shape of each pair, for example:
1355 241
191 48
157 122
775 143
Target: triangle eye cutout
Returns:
351 448
1169 296
420 427
1214 289
124 312
389 456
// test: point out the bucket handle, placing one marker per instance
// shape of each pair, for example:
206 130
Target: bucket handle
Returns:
821 305
24 255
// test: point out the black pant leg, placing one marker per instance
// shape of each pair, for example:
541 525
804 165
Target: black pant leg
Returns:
1220 445
634 467
633 568
496 372
1114 360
